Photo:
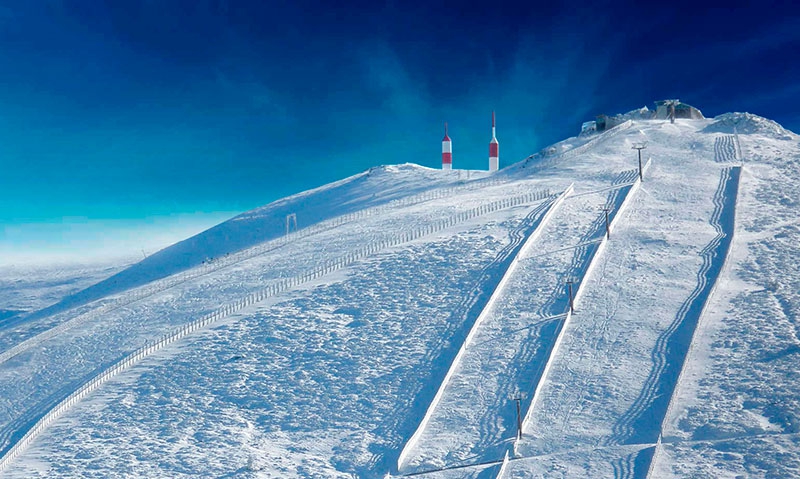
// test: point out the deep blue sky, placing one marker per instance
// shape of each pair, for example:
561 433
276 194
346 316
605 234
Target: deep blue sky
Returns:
130 110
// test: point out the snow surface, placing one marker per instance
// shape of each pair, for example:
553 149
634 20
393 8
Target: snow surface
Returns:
678 361
29 287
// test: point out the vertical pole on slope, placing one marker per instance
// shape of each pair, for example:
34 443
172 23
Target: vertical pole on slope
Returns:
518 400
640 147
571 297
640 166
291 219
608 226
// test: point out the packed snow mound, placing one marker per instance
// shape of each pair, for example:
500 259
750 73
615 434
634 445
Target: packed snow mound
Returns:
748 123
642 113
376 186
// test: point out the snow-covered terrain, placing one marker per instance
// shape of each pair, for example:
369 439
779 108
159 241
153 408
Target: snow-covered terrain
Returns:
30 287
393 330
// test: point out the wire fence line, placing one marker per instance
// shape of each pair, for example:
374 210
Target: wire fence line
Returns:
270 291
132 296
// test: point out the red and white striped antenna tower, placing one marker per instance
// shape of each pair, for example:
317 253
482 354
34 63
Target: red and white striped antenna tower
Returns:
447 151
494 149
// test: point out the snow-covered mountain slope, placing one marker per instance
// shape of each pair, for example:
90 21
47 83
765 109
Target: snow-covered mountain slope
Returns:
371 188
30 287
393 331
238 240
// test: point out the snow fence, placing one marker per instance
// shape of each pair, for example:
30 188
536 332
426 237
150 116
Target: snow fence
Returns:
161 285
273 290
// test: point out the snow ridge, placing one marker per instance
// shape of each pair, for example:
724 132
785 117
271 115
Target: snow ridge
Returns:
748 123
226 258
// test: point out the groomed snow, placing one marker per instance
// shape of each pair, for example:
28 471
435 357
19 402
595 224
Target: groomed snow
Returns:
333 377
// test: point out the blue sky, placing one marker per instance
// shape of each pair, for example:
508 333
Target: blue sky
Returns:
126 112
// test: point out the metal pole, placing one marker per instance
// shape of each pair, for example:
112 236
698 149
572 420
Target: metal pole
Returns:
519 418
608 227
640 148
640 163
571 304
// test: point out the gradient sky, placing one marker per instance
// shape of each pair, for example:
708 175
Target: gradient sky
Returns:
135 113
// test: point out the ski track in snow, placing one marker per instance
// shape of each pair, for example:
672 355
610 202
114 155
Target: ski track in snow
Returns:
467 311
20 430
331 377
521 366
581 417
636 425
725 149
518 237
735 412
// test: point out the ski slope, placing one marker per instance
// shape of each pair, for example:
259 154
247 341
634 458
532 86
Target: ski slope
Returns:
735 412
504 355
391 331
148 320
